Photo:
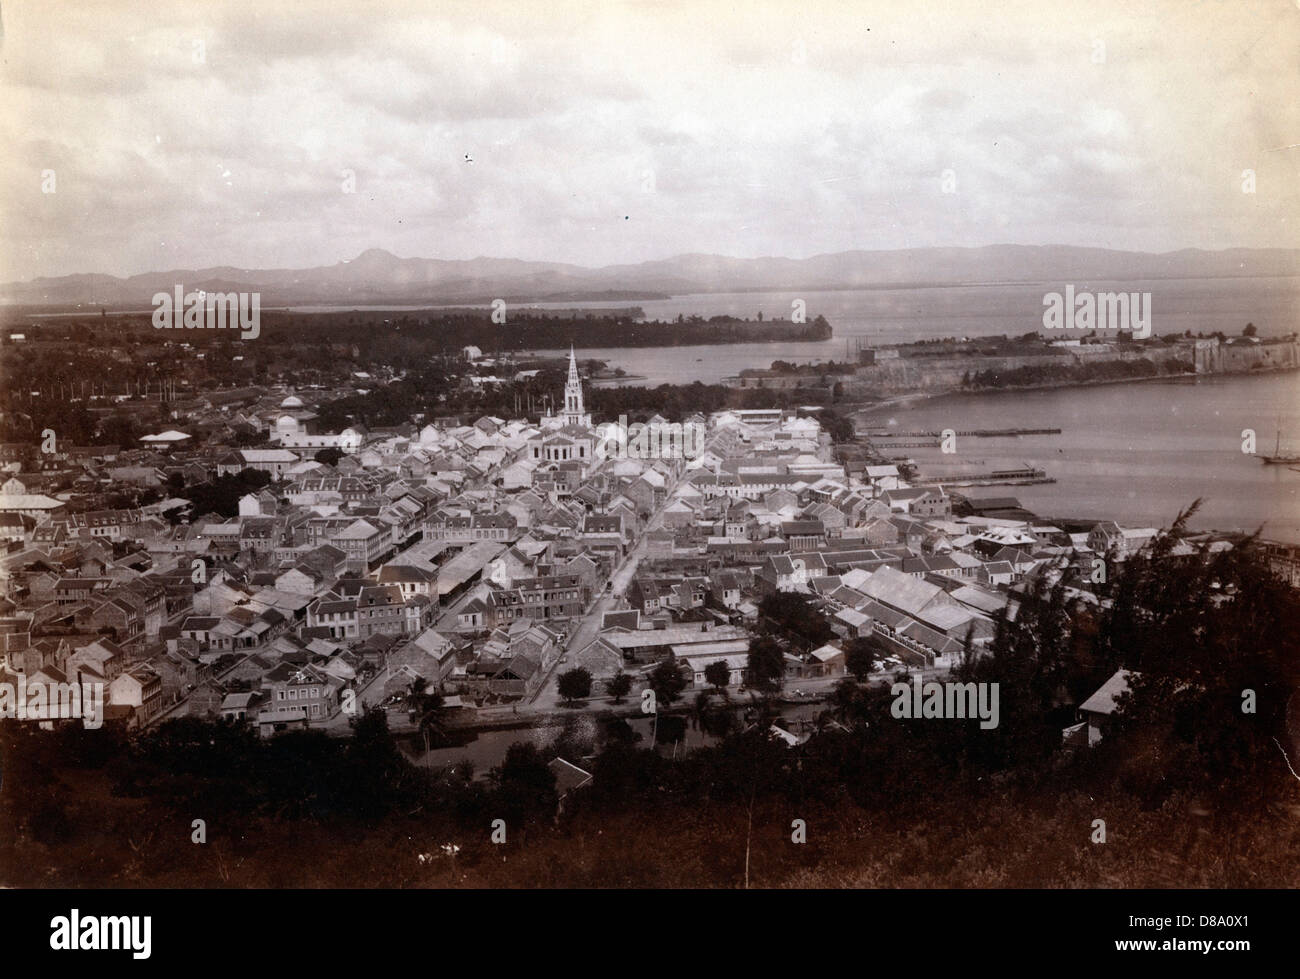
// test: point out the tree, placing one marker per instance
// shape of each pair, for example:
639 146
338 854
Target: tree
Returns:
222 494
574 684
246 437
860 656
618 686
796 618
766 663
116 429
839 428
718 673
844 696
372 767
667 682
1198 631
414 695
700 709
424 708
525 787
1030 659
329 455
1249 331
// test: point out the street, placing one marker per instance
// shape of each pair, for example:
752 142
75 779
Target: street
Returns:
547 696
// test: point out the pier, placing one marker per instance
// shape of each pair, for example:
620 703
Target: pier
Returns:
979 433
977 473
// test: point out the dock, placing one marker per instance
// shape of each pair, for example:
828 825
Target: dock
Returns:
978 473
979 433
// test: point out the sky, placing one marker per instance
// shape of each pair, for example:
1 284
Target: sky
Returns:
157 135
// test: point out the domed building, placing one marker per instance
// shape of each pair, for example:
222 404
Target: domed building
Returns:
293 422
297 427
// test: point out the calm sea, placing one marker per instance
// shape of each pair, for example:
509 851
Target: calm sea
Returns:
1134 452
881 316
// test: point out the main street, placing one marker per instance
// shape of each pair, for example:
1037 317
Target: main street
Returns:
547 696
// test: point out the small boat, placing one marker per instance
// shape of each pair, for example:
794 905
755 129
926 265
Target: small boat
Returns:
1277 459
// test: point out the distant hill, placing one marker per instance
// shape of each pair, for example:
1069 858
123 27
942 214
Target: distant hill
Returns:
377 276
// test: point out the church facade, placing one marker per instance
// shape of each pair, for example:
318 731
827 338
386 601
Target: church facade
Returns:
567 436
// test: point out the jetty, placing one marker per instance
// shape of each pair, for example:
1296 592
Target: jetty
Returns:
979 433
979 473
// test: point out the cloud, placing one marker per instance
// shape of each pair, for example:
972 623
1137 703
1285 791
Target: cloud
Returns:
206 133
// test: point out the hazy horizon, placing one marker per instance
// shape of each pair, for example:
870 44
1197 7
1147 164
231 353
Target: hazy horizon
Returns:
207 134
649 260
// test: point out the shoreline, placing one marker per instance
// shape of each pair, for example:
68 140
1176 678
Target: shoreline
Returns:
858 408
1272 528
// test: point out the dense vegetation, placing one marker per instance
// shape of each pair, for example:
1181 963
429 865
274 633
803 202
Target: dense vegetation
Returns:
432 333
49 380
431 393
795 618
221 495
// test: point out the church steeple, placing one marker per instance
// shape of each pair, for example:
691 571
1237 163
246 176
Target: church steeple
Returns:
574 413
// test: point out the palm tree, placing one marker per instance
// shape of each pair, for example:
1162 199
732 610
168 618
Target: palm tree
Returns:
414 696
701 710
425 709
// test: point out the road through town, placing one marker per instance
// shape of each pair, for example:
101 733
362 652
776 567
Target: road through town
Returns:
547 696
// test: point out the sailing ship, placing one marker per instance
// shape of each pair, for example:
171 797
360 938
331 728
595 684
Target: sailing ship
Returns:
1277 458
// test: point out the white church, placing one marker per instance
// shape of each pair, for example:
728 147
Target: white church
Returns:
568 436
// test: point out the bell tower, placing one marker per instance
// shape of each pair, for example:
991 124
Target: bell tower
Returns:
574 413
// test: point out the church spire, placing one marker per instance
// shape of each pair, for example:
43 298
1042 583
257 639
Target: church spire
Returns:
574 413
573 369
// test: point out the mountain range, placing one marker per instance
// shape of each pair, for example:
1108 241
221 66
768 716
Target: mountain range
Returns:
377 276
